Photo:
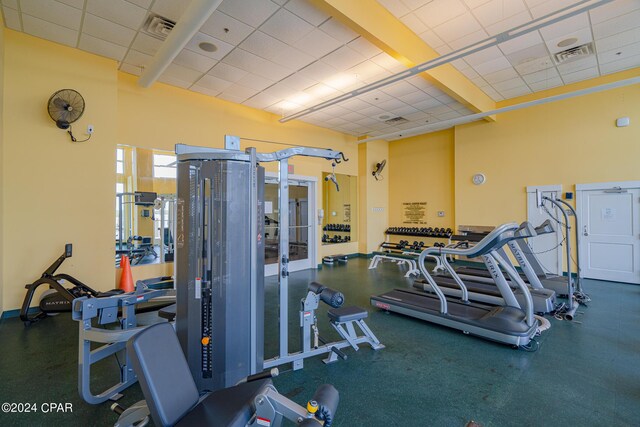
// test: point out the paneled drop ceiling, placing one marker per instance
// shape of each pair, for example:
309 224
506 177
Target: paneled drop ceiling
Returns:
285 55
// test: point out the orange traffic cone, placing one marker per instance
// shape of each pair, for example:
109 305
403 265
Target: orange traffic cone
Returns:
126 279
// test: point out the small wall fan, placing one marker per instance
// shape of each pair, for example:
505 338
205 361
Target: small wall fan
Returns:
377 172
65 107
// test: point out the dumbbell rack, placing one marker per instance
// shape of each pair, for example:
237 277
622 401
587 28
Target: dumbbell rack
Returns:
331 228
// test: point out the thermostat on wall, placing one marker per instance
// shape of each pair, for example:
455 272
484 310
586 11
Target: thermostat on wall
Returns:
479 179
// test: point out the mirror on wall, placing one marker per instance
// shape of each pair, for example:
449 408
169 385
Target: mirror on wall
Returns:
340 221
145 205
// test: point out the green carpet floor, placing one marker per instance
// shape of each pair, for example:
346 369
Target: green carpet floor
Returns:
585 373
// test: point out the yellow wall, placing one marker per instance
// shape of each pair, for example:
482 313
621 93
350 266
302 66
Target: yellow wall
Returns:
376 195
62 192
567 142
1 161
423 172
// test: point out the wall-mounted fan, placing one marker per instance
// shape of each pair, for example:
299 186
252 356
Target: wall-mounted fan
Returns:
377 171
65 107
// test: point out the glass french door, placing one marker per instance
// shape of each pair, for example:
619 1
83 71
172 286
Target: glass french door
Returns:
302 229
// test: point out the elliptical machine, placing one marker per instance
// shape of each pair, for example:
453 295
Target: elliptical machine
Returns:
57 299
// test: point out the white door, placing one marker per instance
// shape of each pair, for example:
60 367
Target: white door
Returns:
547 247
609 216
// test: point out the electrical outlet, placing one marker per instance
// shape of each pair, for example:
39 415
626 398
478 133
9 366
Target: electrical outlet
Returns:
90 129
440 213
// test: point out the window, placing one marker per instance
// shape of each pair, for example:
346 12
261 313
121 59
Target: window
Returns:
119 190
119 161
164 166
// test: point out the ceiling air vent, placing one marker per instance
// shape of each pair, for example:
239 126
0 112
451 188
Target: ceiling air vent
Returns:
396 121
574 53
158 26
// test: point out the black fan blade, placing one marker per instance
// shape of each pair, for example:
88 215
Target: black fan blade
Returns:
60 103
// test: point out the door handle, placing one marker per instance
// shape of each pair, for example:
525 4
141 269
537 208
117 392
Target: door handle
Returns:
584 232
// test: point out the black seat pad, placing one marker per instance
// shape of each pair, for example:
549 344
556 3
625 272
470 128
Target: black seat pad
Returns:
229 407
346 314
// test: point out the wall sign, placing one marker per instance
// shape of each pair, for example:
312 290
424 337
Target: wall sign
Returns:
347 212
414 213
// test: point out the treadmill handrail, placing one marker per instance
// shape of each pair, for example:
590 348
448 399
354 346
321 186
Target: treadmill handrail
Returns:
474 250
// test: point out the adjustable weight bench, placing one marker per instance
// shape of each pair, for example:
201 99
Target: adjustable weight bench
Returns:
172 398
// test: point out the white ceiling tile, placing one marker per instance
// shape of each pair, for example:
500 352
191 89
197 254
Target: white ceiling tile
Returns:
317 43
448 116
414 97
566 27
13 4
369 70
470 73
431 39
137 59
472 4
577 65
397 8
617 25
142 3
53 11
399 89
443 50
623 64
261 100
131 69
11 18
227 72
468 40
170 8
119 11
213 83
353 116
47 30
262 44
588 73
492 93
307 11
338 31
515 92
437 12
78 4
239 91
391 104
492 66
507 24
146 44
541 76
364 47
420 82
441 109
458 27
406 109
280 91
195 61
204 90
388 62
372 111
559 44
508 84
102 47
620 53
272 71
483 56
291 57
375 97
367 121
446 99
528 54
343 58
223 47
541 8
336 111
355 104
107 30
613 10
433 91
322 91
255 82
287 27
182 73
415 4
232 96
317 71
414 23
173 81
218 23
533 65
616 41
520 43
298 82
495 11
500 76
251 12
479 81
546 84
342 81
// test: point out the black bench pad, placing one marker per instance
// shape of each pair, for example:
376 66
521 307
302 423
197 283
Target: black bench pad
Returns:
347 314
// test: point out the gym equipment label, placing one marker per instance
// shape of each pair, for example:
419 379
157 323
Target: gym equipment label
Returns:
414 213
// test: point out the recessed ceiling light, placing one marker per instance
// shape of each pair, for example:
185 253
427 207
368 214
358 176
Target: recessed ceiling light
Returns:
207 47
567 42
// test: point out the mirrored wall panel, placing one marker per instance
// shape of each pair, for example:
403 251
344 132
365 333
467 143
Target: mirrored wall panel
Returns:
340 198
145 205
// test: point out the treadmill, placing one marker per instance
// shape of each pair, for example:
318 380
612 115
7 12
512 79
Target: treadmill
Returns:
485 289
505 324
